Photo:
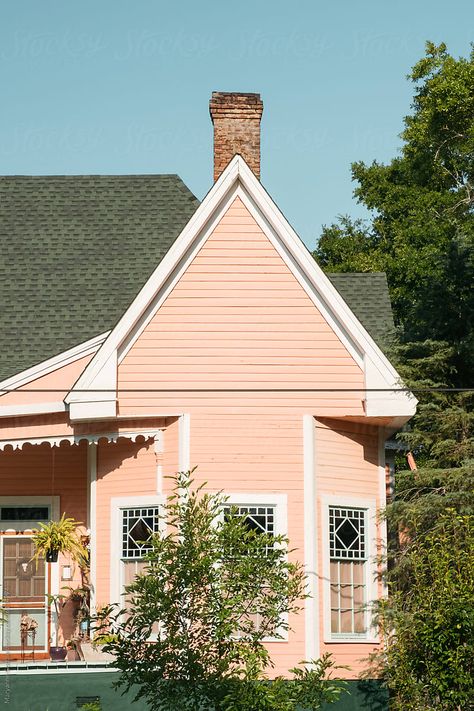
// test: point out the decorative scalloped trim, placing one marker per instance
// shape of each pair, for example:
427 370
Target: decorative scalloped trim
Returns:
14 444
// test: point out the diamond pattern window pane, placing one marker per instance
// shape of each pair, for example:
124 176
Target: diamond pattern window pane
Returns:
260 519
347 529
257 518
138 526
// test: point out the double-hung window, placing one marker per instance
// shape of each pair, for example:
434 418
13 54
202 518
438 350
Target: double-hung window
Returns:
348 570
262 513
139 525
134 521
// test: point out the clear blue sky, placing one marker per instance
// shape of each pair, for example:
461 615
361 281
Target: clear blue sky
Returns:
108 86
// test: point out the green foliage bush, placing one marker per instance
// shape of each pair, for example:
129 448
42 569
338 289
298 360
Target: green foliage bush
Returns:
428 626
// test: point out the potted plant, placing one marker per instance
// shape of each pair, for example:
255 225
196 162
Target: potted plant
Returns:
57 537
57 652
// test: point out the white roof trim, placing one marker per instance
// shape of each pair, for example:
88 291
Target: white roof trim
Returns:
37 408
238 180
52 364
155 434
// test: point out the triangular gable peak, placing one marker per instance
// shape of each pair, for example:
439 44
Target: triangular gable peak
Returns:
94 394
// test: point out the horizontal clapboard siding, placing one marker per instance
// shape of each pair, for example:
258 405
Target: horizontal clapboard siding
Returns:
346 466
263 455
238 320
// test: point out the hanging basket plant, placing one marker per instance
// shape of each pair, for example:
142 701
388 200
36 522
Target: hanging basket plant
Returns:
57 537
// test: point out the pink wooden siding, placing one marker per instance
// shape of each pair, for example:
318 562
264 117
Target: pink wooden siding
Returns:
124 469
346 466
41 470
51 425
249 454
171 463
59 381
238 319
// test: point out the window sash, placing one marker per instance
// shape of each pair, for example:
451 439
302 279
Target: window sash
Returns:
137 520
347 533
261 518
348 597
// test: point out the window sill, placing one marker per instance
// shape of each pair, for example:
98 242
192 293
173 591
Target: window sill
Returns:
351 640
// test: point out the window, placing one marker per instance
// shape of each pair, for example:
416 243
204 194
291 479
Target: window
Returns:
24 513
138 527
134 520
348 561
260 519
263 513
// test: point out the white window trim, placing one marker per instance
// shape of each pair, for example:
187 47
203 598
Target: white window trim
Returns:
369 505
117 504
280 502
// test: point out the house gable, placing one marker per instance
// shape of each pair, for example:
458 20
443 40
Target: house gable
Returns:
95 392
238 328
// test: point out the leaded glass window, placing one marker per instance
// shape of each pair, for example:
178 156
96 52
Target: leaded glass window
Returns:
348 554
138 527
260 519
347 533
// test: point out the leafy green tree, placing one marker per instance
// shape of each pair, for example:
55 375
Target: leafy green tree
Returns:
427 657
421 232
192 633
441 433
428 625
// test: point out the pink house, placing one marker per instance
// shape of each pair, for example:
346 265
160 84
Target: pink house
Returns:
144 333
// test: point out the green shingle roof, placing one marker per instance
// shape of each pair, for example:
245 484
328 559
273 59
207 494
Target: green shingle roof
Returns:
367 295
75 251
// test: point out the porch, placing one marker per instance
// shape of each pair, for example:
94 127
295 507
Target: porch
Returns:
77 474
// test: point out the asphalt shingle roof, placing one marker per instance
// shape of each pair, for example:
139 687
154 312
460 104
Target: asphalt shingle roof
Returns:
75 250
367 295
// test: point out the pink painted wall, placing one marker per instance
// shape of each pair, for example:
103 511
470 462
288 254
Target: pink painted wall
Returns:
50 425
246 454
238 319
346 466
41 470
60 381
124 469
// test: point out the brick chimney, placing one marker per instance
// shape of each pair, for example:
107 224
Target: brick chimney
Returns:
236 118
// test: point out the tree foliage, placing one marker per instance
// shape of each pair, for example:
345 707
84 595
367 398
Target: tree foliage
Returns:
421 233
191 635
441 433
422 228
428 625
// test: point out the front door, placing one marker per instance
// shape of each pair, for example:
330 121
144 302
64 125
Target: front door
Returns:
24 588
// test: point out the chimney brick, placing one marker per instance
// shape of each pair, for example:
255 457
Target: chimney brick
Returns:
236 118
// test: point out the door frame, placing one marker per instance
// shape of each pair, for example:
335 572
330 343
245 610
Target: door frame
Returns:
52 582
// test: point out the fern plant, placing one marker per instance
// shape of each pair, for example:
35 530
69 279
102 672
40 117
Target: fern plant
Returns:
57 537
